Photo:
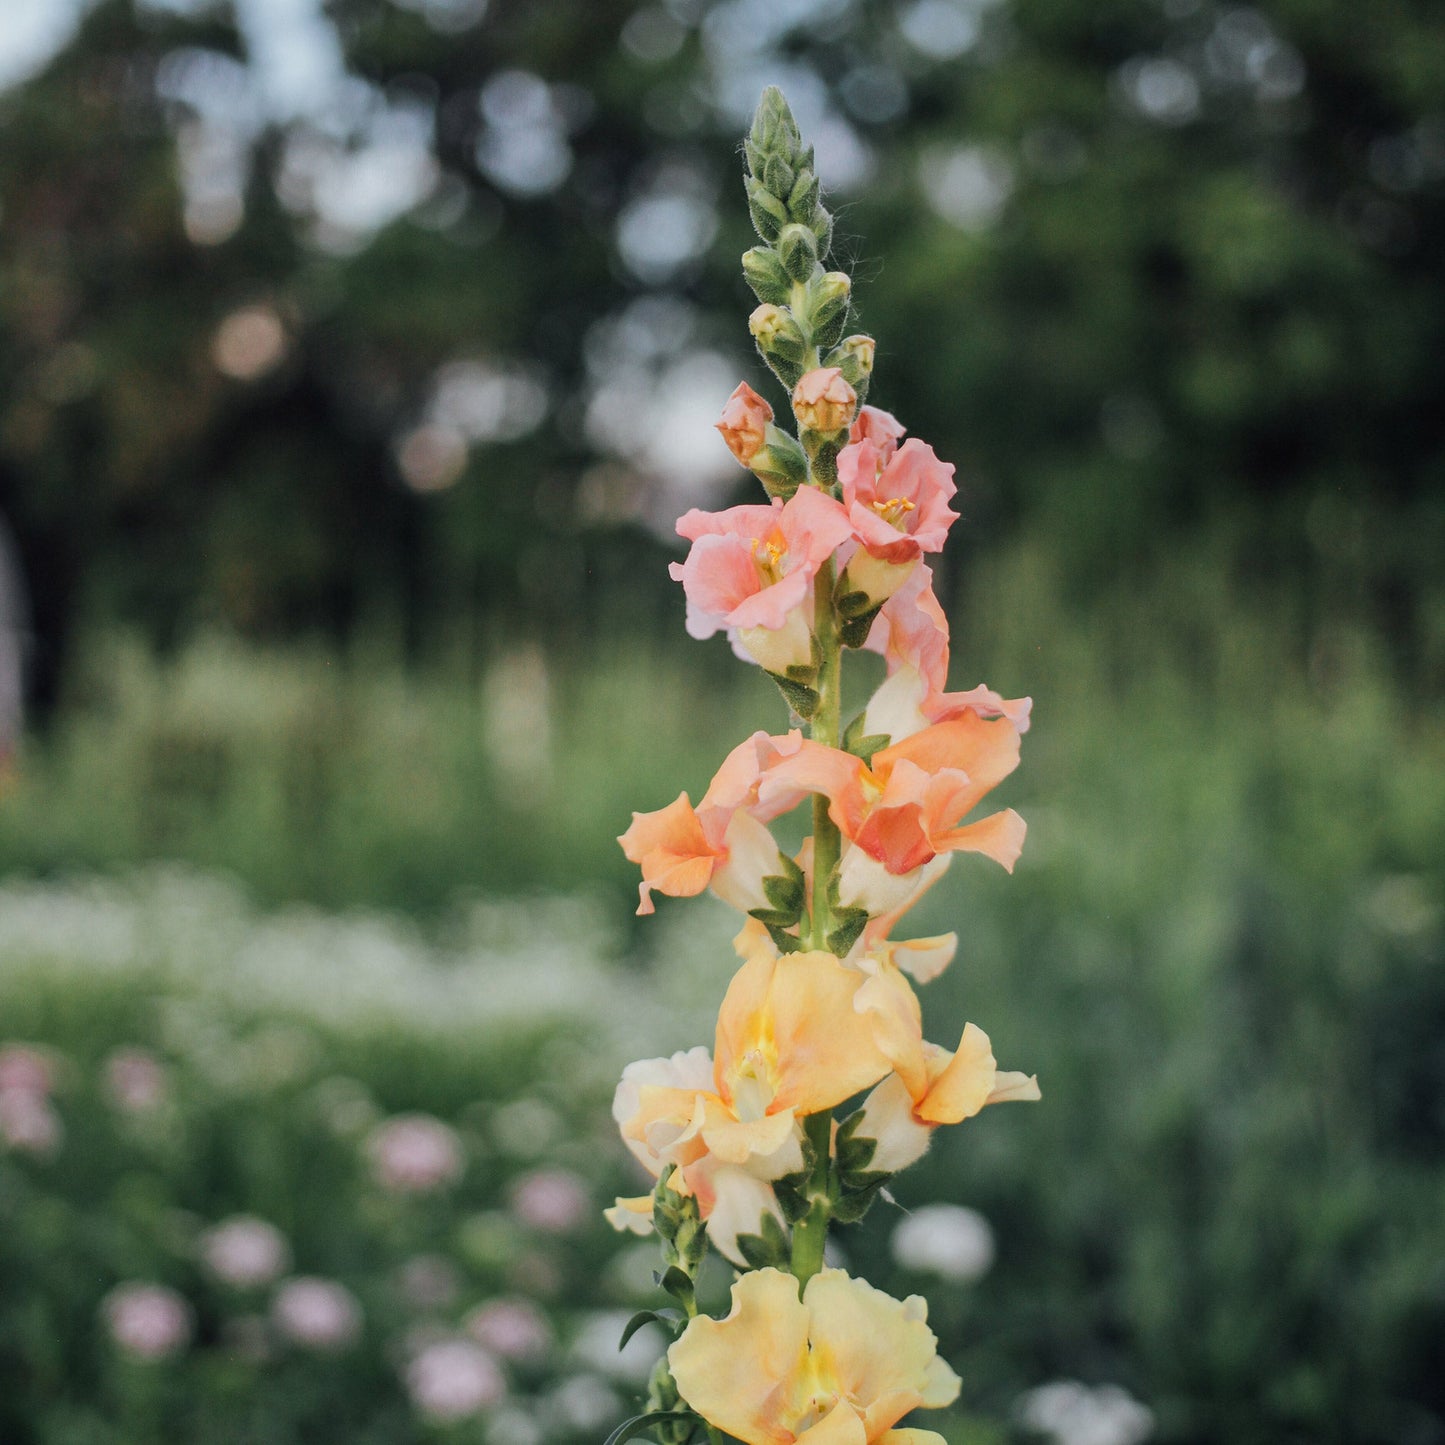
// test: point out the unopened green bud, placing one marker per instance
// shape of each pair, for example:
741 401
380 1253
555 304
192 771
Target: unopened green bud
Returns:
763 270
798 247
822 224
774 129
769 214
777 334
778 177
827 306
780 464
803 197
853 356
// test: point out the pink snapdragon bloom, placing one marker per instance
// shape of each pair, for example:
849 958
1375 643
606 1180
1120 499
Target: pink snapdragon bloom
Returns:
724 843
744 422
415 1154
898 509
750 573
147 1321
882 428
911 632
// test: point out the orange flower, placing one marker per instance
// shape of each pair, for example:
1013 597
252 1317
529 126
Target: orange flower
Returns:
906 807
844 1363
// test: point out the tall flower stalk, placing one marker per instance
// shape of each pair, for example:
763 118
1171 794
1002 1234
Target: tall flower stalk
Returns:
742 1140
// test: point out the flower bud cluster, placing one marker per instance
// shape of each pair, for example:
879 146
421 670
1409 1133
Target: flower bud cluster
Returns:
740 1139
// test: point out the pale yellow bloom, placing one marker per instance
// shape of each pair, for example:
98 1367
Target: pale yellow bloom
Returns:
843 1365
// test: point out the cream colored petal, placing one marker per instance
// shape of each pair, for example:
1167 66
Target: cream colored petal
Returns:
733 1202
734 1141
752 855
736 1370
873 1345
899 1139
1014 1087
942 1386
911 1437
891 1006
966 1081
923 959
840 1426
631 1215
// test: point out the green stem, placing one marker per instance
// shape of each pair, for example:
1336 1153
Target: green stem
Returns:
810 1234
826 729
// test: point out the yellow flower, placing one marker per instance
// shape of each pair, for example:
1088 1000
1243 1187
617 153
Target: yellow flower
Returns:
843 1364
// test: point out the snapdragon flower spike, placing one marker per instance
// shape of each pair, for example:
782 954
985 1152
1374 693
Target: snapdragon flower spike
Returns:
843 1364
750 573
911 632
724 843
790 1042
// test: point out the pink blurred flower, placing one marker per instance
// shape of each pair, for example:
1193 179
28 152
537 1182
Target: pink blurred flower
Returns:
147 1321
552 1200
415 1154
28 1123
318 1314
454 1379
750 572
513 1328
25 1069
245 1251
882 428
135 1080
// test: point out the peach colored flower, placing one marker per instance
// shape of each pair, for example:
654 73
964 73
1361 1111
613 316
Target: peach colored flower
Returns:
912 634
823 400
723 843
845 1363
882 428
898 505
929 1086
790 1042
744 422
905 808
750 573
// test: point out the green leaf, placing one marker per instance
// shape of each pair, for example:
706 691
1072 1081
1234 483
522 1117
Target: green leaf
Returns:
851 922
770 1247
853 604
785 894
677 1282
854 631
802 700
669 1317
852 1204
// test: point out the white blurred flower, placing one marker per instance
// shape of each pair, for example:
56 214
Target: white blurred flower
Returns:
453 1379
1071 1413
135 1081
245 1251
415 1154
948 1240
147 1321
595 1345
318 1314
513 1328
553 1200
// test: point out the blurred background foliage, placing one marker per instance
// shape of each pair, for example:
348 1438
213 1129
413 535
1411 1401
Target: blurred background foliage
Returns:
356 361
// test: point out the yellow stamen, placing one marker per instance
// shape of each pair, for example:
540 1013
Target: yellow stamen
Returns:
893 510
768 557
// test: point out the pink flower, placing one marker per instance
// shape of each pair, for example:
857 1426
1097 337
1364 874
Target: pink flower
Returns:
135 1080
317 1314
881 428
744 423
553 1200
912 634
245 1251
25 1069
750 572
898 505
147 1321
454 1379
823 400
414 1154
513 1328
28 1123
